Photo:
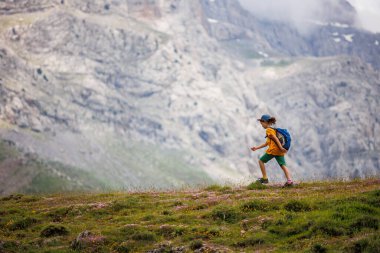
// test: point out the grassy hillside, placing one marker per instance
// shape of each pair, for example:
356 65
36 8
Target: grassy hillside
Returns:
310 217
144 167
26 173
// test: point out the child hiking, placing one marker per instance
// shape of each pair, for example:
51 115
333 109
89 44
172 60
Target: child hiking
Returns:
275 149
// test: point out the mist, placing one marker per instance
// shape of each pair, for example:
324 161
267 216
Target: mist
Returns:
301 14
368 14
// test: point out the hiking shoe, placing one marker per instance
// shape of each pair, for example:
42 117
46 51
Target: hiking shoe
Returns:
289 183
262 180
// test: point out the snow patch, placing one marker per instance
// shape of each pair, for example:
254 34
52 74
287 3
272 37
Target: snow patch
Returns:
270 74
263 54
337 40
317 22
376 42
341 107
210 20
335 34
336 24
348 37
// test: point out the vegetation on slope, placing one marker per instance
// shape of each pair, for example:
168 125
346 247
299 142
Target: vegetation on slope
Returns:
310 217
26 173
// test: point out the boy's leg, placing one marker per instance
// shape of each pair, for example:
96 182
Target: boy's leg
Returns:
281 161
263 171
287 173
264 159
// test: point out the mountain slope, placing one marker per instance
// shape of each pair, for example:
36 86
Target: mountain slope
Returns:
166 93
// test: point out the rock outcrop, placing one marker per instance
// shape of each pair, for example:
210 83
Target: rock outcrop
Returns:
166 93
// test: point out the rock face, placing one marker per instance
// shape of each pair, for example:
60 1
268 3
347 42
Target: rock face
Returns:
166 93
334 35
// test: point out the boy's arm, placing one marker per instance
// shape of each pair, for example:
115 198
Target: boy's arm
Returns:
259 147
277 141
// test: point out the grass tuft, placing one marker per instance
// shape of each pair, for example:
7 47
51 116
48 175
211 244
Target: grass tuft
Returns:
23 223
328 228
318 248
197 244
249 242
297 206
256 186
258 205
370 244
227 214
54 230
144 236
365 222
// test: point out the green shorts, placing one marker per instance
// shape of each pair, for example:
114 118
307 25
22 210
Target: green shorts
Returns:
267 157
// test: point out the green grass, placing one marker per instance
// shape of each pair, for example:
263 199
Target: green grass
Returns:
43 176
310 217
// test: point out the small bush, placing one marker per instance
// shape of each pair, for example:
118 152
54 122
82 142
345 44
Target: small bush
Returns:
60 213
328 228
123 248
4 212
23 224
373 198
351 210
54 230
169 231
9 246
375 193
200 207
29 199
226 214
258 205
213 232
197 244
12 197
144 236
131 229
367 245
249 242
177 203
318 248
256 186
364 222
166 212
359 246
297 206
266 224
126 204
117 206
290 230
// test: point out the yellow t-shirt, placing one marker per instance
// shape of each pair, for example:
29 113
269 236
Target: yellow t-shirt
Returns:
273 149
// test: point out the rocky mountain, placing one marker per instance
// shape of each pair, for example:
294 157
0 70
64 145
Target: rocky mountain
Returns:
165 93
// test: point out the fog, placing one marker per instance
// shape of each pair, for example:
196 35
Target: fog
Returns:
300 12
369 14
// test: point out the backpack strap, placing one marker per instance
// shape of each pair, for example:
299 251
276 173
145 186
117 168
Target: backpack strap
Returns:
275 129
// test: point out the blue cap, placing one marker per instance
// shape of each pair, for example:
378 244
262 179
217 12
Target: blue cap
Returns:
265 118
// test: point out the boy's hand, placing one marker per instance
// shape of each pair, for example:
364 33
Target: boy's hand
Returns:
283 150
254 148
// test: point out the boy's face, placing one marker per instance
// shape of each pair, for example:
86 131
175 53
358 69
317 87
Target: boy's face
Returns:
264 124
